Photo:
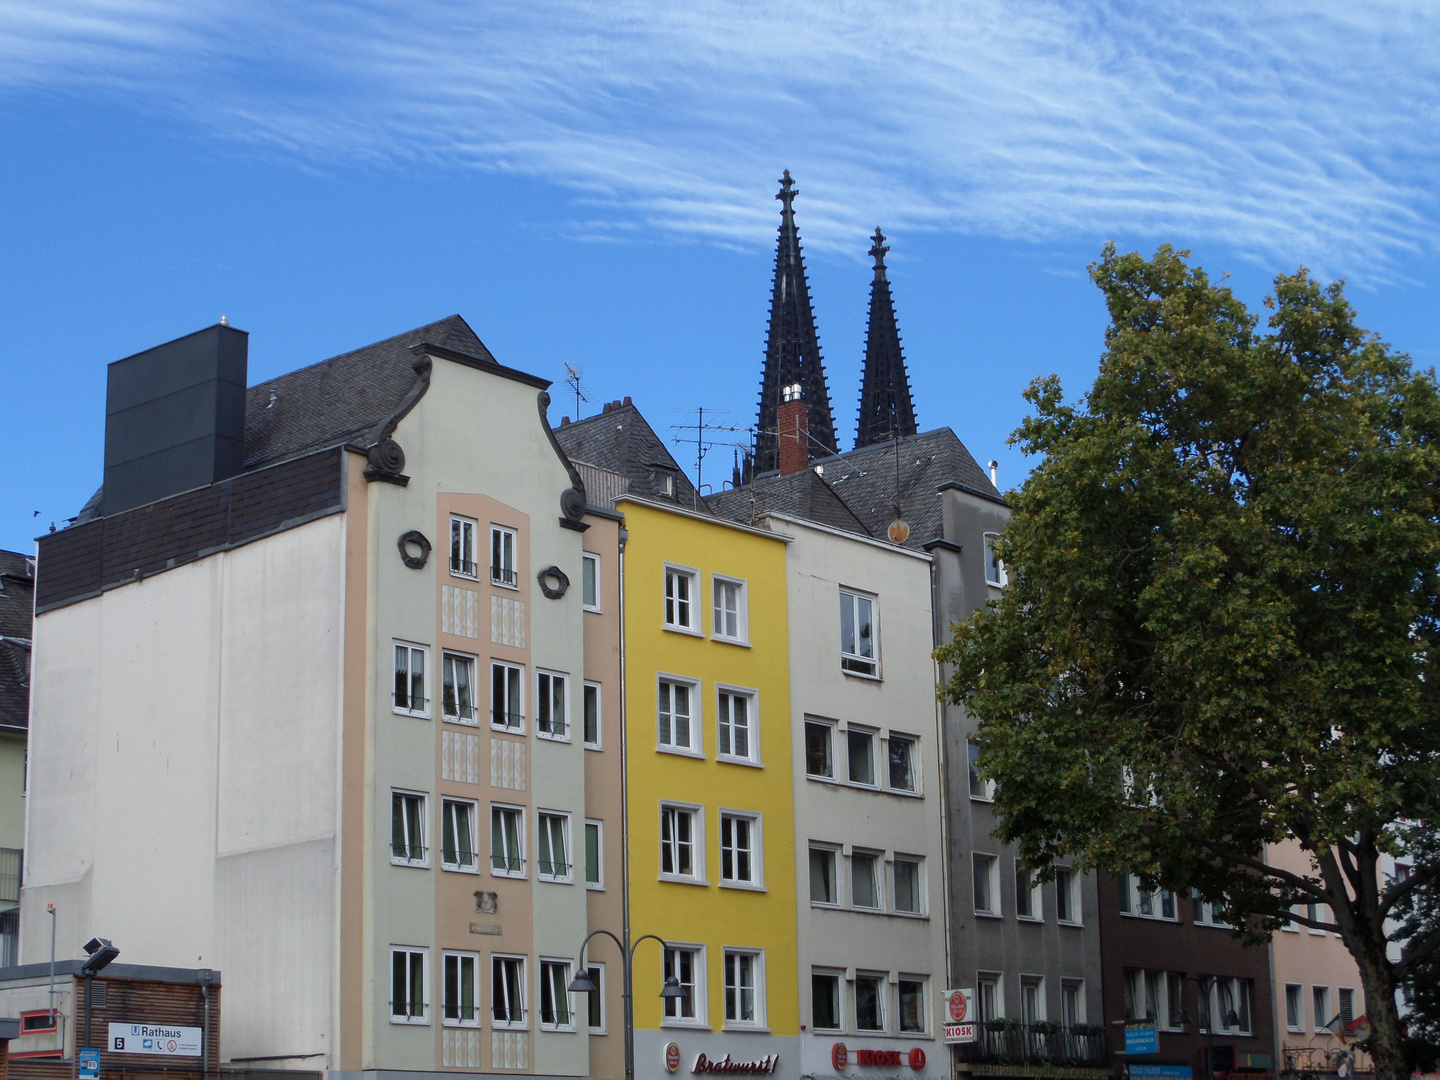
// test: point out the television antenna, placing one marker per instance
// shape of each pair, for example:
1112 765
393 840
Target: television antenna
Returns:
703 443
572 380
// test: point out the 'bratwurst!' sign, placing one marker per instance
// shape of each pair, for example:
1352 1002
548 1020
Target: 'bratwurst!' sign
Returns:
736 1068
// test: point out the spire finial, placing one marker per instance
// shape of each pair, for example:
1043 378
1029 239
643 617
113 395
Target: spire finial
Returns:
878 250
787 191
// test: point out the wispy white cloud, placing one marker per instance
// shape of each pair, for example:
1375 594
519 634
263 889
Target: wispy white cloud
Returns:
1289 133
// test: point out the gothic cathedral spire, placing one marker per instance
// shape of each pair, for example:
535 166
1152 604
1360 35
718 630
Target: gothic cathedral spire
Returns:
792 349
886 408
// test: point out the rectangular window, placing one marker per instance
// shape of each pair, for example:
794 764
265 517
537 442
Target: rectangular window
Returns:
409 1002
1032 999
679 836
553 861
994 568
555 1012
983 869
594 866
677 727
502 557
507 711
735 725
457 836
1123 886
596 1003
819 749
680 599
1294 1007
409 695
684 965
870 1002
1205 912
909 897
860 750
825 1001
592 716
507 841
1320 1000
857 633
1174 1010
739 849
507 991
1067 905
590 582
980 788
462 990
552 719
901 751
911 999
730 614
457 674
462 547
744 989
1347 1004
992 1002
865 880
407 828
1027 895
1167 904
1072 1003
823 888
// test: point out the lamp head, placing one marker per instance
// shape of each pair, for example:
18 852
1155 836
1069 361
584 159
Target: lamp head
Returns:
101 951
1184 1017
673 989
1231 1020
582 983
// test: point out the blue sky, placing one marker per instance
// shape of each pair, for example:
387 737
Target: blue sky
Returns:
593 184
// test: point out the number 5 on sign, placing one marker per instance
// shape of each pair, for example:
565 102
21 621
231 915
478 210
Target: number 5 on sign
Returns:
959 1016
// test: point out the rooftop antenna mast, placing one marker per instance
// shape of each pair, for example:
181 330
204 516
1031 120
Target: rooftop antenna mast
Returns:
572 380
703 444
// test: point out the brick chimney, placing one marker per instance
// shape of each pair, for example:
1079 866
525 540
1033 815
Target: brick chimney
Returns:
794 430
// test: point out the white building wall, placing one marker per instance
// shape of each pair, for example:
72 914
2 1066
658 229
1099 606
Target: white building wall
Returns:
183 801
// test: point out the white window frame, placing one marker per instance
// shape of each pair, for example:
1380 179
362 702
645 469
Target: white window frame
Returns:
590 559
1077 986
498 571
697 998
917 861
1237 987
742 610
756 881
836 878
462 525
566 875
838 975
552 962
882 979
696 814
923 981
695 747
510 1024
856 663
1036 983
874 737
1207 915
757 971
673 605
1139 900
519 853
1036 896
992 877
725 729
420 800
545 679
877 877
599 826
995 981
832 751
987 785
995 574
1071 884
411 649
1296 1026
449 658
472 811
913 741
589 691
596 971
514 674
1340 992
1320 1006
445 957
411 952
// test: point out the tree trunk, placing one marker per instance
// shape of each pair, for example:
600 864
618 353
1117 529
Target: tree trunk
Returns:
1387 1038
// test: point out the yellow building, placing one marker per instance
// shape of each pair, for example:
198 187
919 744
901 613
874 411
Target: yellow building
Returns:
710 808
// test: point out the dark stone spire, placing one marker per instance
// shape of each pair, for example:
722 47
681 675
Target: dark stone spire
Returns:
792 350
886 408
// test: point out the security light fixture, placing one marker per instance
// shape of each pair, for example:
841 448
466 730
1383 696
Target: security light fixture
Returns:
101 952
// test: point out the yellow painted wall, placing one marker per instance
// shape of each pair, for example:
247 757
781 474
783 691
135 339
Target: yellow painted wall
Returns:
709 914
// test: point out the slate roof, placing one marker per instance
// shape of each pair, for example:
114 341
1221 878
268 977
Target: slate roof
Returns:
803 494
865 481
17 602
337 401
619 439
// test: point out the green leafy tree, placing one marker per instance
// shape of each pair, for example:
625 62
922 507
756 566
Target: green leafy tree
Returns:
1222 608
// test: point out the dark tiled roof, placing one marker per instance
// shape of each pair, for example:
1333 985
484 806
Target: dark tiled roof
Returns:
17 600
865 480
619 439
804 494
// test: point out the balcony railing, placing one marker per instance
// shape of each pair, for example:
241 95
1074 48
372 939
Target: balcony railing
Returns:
10 859
1000 1042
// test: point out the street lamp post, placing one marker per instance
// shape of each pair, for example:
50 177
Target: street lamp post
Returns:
1203 985
583 984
